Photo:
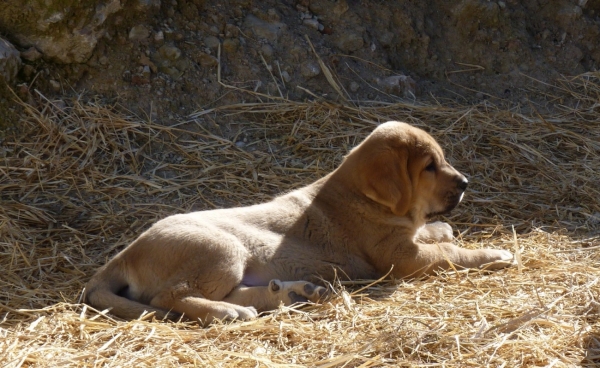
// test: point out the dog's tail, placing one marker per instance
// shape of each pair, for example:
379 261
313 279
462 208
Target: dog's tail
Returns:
107 290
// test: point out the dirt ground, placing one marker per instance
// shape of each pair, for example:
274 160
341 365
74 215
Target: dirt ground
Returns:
186 55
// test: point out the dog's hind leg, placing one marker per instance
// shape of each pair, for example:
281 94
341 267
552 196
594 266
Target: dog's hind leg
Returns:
195 307
265 298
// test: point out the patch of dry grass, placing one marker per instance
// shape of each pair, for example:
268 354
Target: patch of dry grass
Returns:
84 178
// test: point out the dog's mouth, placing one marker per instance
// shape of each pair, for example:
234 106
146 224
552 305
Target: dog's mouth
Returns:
452 200
432 215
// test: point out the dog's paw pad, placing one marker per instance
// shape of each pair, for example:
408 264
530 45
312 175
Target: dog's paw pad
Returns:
315 292
295 298
292 292
275 285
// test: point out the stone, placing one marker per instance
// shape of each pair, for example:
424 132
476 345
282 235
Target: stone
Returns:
169 60
267 52
159 37
145 61
385 38
231 30
64 31
55 85
23 91
139 79
310 69
312 23
139 33
286 76
28 71
10 61
31 54
349 41
212 42
329 10
169 52
262 29
231 45
206 60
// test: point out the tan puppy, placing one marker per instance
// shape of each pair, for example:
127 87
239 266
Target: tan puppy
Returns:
360 220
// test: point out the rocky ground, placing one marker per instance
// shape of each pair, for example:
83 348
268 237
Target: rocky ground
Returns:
162 58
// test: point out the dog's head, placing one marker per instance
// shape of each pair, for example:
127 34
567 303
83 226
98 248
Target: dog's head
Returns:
403 168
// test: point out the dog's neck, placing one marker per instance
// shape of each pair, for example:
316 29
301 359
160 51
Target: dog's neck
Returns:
332 190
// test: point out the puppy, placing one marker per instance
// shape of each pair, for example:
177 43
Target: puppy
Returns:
363 219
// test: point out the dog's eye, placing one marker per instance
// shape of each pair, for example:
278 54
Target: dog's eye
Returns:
431 167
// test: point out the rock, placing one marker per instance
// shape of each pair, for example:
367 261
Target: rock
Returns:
214 30
310 69
145 61
23 91
143 77
169 60
312 23
262 29
212 42
354 86
10 61
139 33
231 30
267 52
65 31
231 45
206 60
146 71
127 76
159 37
28 71
139 80
286 76
273 15
31 54
401 85
55 85
349 41
328 10
386 38
169 52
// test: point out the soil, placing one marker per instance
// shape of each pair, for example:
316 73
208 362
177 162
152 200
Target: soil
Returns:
189 54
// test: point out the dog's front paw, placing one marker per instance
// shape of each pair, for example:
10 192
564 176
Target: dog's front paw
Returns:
434 232
291 292
497 259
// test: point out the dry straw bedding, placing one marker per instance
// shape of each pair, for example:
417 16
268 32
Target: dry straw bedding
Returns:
82 178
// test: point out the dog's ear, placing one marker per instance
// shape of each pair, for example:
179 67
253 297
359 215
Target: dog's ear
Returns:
384 178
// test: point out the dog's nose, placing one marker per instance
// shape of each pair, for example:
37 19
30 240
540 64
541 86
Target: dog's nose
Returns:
463 183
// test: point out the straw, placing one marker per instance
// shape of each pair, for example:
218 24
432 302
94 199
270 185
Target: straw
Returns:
82 178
